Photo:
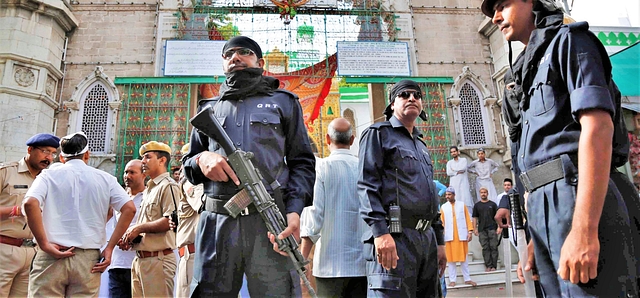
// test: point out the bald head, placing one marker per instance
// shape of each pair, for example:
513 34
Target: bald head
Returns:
133 176
339 133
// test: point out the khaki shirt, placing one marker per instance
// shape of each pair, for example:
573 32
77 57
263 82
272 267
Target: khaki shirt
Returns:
157 202
15 180
188 215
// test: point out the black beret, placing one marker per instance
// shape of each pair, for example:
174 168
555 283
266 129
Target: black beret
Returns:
243 42
44 139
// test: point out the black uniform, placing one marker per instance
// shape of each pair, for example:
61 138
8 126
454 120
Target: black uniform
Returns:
395 166
566 71
270 125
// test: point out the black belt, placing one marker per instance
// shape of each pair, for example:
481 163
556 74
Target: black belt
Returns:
417 224
543 174
216 205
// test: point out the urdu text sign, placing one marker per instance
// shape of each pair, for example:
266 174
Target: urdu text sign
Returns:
367 58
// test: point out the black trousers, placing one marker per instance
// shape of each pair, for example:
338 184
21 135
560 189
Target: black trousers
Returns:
551 209
355 286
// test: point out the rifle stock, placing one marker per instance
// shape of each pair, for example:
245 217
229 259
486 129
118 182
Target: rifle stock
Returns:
252 190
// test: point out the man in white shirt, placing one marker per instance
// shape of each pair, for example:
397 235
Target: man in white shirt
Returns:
339 264
120 269
72 202
458 177
507 184
484 168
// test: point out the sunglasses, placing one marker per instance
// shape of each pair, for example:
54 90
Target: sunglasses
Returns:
406 94
242 52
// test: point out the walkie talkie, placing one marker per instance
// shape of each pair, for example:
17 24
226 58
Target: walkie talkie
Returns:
395 216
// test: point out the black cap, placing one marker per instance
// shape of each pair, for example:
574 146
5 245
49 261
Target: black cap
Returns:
243 42
487 7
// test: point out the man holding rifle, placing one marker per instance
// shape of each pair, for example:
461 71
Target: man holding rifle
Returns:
267 121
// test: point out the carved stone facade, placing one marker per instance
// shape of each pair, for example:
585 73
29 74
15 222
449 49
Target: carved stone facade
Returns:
32 39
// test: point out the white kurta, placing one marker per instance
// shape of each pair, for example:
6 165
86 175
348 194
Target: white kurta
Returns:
460 182
484 171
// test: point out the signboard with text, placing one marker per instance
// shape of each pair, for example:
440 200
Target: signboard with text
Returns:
369 58
193 58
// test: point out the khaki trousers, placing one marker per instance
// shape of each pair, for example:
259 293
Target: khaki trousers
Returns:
68 277
153 276
185 274
14 271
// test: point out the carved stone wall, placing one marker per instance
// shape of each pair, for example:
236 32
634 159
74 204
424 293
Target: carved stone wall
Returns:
32 39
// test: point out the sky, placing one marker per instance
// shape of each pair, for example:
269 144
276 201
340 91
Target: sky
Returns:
607 12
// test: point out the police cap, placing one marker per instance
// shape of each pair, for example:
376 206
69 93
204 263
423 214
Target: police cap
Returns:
44 139
154 146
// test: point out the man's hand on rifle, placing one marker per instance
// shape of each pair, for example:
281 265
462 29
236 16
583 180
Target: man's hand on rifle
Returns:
215 167
293 227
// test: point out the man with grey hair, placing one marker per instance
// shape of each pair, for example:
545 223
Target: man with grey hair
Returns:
72 202
333 222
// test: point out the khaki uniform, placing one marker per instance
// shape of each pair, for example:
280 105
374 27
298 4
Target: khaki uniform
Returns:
155 261
188 216
15 180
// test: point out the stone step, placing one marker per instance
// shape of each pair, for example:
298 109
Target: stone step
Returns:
483 278
478 266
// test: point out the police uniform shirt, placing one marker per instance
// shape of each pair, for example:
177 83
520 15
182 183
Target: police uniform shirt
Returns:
157 202
550 123
394 164
16 180
188 216
273 129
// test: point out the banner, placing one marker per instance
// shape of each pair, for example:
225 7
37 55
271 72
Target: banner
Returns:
311 84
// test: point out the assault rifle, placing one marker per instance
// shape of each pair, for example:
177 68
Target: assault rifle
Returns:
252 190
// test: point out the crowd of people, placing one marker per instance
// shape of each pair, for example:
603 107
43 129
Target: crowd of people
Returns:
375 220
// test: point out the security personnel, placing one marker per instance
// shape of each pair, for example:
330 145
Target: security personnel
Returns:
188 216
263 119
154 266
396 172
572 140
16 246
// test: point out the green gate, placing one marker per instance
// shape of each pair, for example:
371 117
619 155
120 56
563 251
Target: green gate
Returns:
151 111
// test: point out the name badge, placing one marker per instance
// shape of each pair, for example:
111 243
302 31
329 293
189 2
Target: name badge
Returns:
21 186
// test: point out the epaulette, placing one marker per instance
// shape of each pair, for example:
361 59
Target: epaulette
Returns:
578 26
377 125
206 100
7 165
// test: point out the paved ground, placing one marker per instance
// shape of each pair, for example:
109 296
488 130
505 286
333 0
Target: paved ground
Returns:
487 291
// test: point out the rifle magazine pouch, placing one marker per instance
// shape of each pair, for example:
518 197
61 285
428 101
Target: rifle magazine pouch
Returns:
384 281
238 203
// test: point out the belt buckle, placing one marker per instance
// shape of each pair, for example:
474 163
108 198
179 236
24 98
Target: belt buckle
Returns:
422 224
245 211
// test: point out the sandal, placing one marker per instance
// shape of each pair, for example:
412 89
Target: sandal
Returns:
452 284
